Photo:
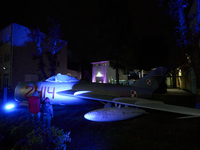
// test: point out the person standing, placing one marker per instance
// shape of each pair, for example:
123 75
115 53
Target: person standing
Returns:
47 112
34 106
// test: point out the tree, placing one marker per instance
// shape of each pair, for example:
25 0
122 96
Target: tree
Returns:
117 36
52 45
47 45
188 33
39 52
153 53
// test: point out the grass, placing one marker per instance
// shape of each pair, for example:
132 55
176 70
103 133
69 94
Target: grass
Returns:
158 130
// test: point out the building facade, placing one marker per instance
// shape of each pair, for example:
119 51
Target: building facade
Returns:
16 57
183 78
103 73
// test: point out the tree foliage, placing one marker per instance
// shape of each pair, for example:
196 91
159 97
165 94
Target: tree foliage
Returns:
117 36
47 46
153 53
188 36
178 10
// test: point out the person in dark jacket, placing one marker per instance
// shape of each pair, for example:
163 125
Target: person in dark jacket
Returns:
47 112
34 106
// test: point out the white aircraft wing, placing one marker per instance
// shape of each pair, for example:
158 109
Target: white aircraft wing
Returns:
89 95
137 102
157 105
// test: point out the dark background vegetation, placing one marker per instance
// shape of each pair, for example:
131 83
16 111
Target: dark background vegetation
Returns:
139 33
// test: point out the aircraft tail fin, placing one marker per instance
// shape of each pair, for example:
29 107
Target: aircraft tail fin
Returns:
152 80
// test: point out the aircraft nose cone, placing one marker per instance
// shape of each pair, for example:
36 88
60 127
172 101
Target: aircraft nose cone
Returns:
90 116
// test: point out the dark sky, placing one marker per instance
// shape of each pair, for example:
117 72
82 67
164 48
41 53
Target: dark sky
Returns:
84 21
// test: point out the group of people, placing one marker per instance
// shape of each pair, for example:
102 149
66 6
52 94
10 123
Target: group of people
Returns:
38 110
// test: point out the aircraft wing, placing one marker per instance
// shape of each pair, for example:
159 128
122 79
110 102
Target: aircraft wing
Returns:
157 105
136 102
88 95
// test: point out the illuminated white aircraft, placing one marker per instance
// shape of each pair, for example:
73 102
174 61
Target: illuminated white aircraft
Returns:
67 90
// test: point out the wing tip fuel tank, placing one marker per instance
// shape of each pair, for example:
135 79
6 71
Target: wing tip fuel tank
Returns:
113 114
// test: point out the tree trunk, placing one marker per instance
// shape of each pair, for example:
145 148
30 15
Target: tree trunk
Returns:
52 65
196 66
42 67
174 79
117 75
117 67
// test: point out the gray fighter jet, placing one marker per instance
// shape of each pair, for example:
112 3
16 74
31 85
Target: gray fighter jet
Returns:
128 100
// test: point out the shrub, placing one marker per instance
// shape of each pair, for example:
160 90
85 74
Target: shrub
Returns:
44 139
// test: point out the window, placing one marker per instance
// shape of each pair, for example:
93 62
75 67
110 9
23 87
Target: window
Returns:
7 38
69 74
57 64
6 57
5 80
1 59
1 41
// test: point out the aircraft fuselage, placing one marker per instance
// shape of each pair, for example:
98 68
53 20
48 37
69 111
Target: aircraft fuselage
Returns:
68 92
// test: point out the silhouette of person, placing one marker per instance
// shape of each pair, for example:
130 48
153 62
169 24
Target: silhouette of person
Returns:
34 106
47 112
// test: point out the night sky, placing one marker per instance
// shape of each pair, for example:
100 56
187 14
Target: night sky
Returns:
94 29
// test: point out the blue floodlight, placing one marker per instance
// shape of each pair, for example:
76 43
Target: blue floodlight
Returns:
9 106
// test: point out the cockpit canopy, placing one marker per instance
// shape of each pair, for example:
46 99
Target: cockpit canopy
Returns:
62 78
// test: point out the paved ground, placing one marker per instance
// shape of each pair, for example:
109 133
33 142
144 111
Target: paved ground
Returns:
158 130
174 91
